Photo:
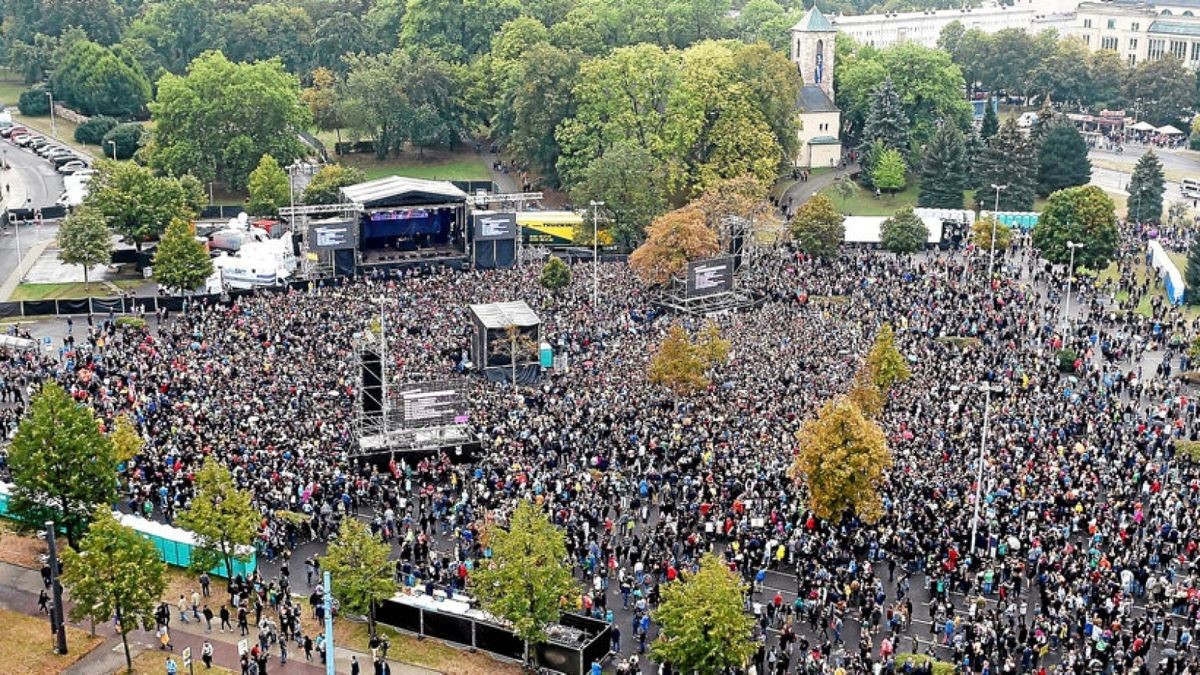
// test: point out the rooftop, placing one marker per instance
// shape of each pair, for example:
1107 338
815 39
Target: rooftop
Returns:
401 191
1175 28
813 22
813 99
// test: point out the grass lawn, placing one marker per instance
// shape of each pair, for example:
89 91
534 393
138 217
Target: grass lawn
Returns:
73 290
865 203
154 662
27 647
434 166
429 652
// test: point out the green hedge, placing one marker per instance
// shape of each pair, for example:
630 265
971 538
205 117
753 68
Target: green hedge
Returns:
130 322
939 667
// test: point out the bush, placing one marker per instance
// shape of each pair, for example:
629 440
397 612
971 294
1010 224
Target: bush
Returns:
132 322
1188 449
939 667
92 131
34 102
127 138
1066 360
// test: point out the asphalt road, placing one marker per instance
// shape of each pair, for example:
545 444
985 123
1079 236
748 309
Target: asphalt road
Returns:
34 182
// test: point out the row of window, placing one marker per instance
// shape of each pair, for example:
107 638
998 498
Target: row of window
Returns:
1156 48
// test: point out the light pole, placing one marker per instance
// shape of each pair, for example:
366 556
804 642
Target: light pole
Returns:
113 145
57 622
987 390
53 128
1070 277
995 219
595 254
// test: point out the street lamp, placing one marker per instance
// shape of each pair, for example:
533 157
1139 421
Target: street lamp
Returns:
995 218
1070 277
988 390
53 128
113 144
595 254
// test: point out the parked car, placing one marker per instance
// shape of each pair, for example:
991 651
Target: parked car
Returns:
59 160
57 153
36 142
72 167
23 140
10 131
50 149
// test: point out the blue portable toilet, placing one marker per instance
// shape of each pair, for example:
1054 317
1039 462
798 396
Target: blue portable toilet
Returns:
546 355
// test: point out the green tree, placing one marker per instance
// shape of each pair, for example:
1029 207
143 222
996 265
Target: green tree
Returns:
991 123
457 30
631 183
1081 215
181 263
1010 159
221 117
1165 88
527 577
842 460
126 441
818 228
533 99
322 100
195 196
887 171
328 181
84 239
904 232
886 120
91 79
136 203
1146 187
1062 160
116 574
126 138
61 465
765 21
981 233
885 364
944 170
221 517
556 274
268 187
178 31
271 30
360 569
92 131
1191 277
1107 72
34 102
704 627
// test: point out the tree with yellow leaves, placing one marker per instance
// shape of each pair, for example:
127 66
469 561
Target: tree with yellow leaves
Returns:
866 394
672 240
682 365
841 460
885 362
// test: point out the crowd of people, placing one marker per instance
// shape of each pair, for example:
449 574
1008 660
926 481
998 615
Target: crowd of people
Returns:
1087 539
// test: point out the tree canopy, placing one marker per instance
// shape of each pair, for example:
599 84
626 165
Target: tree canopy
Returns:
1080 215
842 460
180 262
672 240
1062 159
360 569
704 629
136 203
818 228
221 517
1146 188
268 188
84 239
944 173
904 232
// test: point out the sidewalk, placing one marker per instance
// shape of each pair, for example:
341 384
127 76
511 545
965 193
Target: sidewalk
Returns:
18 593
800 191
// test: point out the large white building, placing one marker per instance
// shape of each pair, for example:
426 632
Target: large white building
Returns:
924 27
1141 31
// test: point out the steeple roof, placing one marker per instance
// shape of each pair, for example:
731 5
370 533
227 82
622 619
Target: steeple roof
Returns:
814 22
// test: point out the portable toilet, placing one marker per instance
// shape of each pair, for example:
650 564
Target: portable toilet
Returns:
546 355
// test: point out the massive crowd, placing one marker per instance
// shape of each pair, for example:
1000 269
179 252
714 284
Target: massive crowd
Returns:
1088 540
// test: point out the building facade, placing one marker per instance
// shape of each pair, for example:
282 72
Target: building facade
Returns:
1141 31
924 27
820 119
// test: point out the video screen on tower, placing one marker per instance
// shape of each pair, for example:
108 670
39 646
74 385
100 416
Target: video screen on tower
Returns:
709 277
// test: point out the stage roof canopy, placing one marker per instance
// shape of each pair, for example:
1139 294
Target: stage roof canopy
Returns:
400 191
505 314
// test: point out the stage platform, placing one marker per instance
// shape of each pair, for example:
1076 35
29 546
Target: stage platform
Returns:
457 441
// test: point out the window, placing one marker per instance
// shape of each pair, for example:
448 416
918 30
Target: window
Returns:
1087 23
1135 26
1108 43
1087 40
1179 49
1156 49
1132 44
1112 24
1196 51
1132 60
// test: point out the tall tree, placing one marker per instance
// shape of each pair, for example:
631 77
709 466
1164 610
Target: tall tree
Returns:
704 627
116 574
1146 188
887 171
1010 159
1080 215
268 188
91 79
221 117
886 120
527 576
672 240
457 30
61 465
360 569
84 239
180 262
884 362
904 232
944 170
817 227
1062 160
555 275
322 101
221 517
127 442
681 365
136 203
1165 89
631 182
842 460
534 98
991 123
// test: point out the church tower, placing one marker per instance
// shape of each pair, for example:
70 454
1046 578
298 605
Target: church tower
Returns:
812 50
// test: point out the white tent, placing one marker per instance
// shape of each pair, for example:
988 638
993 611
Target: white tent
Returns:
1143 126
1169 130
